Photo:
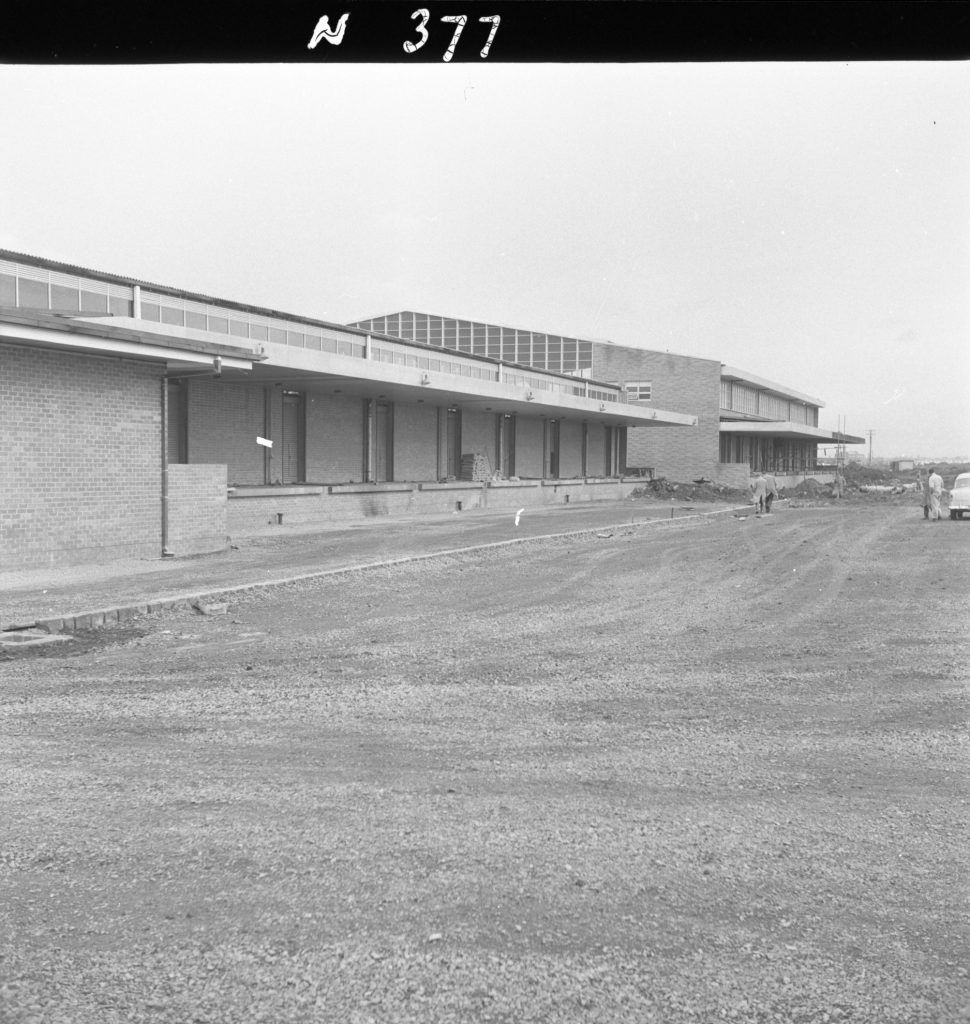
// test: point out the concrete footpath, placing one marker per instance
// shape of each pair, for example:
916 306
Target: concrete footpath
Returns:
82 597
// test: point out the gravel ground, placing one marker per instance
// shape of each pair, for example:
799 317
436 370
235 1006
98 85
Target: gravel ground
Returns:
282 553
713 772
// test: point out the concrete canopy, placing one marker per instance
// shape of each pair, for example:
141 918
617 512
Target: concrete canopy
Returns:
788 431
510 389
92 335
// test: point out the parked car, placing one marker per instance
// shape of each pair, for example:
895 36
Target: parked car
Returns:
960 496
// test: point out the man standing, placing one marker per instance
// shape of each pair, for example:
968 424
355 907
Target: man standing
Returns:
924 487
760 486
935 484
771 490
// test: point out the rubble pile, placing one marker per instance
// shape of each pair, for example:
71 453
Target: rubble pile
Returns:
697 490
809 488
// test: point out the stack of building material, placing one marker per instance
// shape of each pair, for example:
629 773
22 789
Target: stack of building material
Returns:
475 466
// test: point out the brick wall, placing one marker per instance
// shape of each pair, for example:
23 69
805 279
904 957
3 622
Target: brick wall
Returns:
734 474
273 457
224 421
680 384
80 477
334 438
196 508
415 442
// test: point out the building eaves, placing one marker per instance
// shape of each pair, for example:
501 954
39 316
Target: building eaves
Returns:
70 324
69 268
787 429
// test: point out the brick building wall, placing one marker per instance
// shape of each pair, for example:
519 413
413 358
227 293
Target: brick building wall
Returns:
196 508
415 442
680 384
224 421
273 401
334 438
80 476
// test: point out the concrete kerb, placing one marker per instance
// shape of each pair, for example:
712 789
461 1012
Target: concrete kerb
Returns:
74 621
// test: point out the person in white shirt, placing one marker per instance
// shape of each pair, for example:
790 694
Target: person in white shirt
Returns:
924 493
935 484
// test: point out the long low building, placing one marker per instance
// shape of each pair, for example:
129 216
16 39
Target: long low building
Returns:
144 420
745 424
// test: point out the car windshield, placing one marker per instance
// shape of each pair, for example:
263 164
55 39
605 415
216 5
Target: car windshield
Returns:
963 480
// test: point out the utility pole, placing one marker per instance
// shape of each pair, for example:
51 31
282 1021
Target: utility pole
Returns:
870 433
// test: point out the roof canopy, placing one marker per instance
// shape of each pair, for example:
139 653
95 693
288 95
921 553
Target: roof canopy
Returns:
788 431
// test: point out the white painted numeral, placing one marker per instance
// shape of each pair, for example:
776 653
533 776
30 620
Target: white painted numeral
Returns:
494 19
458 21
424 14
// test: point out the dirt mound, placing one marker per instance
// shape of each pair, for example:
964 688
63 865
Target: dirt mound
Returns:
808 488
696 490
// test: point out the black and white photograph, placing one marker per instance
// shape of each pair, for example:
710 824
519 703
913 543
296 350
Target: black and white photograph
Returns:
484 513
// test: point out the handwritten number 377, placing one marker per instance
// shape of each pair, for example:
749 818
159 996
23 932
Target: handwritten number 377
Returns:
459 22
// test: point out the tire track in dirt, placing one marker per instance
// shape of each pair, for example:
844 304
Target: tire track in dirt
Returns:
803 566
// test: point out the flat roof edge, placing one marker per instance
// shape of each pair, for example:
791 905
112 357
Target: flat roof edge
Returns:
96 327
743 377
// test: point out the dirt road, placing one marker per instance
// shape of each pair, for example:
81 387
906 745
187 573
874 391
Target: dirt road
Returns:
707 771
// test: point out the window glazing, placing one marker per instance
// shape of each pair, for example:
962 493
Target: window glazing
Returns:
553 353
480 340
523 345
64 298
94 302
33 294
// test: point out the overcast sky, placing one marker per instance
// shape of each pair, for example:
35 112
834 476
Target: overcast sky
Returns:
809 223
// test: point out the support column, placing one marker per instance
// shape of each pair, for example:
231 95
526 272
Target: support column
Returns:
164 432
